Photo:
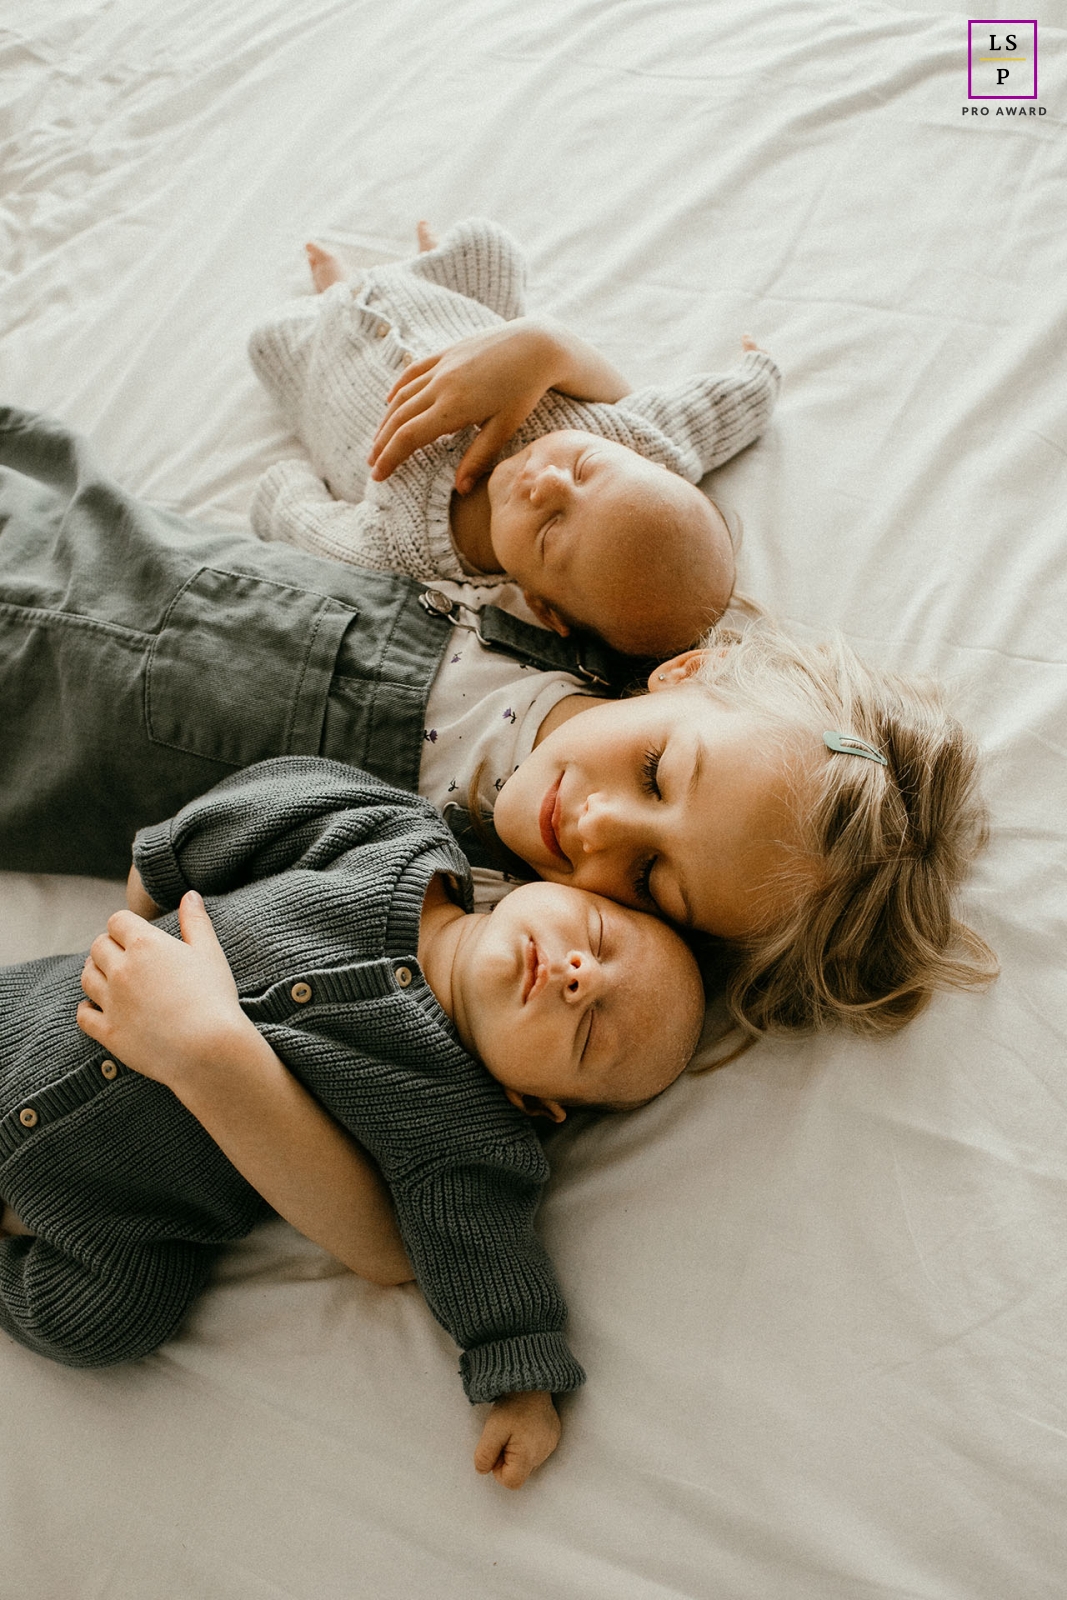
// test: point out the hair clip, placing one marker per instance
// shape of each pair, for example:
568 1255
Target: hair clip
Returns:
848 744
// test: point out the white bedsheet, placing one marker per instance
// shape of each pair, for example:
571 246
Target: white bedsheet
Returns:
821 1294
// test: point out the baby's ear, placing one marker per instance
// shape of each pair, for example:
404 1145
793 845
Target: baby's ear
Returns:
546 615
533 1106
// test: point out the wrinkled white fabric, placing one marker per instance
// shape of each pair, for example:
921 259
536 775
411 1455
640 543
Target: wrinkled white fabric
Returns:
820 1294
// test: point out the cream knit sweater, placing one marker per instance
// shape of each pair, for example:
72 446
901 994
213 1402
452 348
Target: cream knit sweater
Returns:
331 359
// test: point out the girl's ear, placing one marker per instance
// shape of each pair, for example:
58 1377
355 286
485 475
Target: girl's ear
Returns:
676 670
546 615
534 1106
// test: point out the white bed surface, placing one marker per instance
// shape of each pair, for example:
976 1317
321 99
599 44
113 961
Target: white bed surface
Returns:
820 1294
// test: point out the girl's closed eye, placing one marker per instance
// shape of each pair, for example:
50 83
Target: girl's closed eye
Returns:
650 773
643 884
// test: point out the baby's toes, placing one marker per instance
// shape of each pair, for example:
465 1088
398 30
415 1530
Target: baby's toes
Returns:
325 268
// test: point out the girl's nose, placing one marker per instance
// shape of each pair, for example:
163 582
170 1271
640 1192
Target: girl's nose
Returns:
601 824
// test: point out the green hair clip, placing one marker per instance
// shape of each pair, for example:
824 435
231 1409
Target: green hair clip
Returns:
848 744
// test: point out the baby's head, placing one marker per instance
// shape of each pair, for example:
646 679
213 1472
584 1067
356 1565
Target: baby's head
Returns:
604 540
570 1000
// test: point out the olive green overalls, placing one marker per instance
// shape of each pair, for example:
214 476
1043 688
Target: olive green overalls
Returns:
143 657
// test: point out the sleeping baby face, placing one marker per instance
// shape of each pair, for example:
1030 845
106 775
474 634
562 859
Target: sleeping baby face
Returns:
568 998
601 539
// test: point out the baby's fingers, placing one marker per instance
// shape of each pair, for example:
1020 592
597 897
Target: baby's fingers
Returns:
93 982
124 927
502 1454
401 394
417 370
516 1439
408 403
103 953
480 457
398 434
90 1020
407 437
513 1467
522 1454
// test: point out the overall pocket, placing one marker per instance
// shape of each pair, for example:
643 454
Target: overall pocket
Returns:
241 668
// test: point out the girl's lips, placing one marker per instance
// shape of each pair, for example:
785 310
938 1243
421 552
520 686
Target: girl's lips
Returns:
548 821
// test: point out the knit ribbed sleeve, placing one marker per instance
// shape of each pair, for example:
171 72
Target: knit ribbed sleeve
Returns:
292 504
486 1276
711 416
290 812
531 1361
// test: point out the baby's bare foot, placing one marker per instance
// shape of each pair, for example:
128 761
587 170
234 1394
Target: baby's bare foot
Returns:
325 268
427 237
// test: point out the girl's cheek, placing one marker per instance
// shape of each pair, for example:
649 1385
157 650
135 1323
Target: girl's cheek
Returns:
503 809
515 820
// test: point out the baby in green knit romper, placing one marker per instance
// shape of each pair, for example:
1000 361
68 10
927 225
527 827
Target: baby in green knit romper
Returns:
335 972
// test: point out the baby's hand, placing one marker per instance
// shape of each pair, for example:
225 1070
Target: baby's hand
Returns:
491 379
520 1432
164 1006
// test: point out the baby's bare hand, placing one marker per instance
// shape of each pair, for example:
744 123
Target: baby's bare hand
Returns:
490 380
161 1005
520 1432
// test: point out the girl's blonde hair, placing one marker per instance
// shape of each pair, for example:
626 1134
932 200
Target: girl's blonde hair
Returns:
871 932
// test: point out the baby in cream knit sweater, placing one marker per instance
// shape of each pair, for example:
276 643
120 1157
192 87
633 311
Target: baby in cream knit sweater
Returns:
593 510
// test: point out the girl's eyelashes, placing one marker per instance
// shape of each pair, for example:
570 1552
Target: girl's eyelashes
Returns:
600 933
643 883
650 773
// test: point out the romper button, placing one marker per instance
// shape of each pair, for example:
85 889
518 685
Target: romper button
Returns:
301 993
28 1117
407 358
403 976
381 331
109 1069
